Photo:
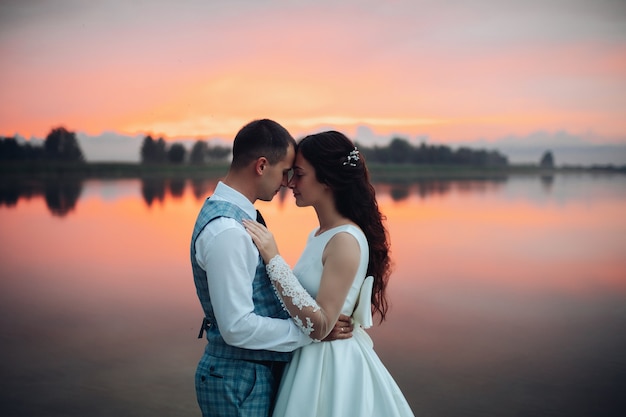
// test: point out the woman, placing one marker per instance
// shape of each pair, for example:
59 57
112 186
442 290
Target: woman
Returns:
343 377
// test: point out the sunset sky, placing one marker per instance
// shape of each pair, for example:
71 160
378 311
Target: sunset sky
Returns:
449 71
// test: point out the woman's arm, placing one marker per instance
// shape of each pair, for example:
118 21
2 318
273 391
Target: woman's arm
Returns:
316 317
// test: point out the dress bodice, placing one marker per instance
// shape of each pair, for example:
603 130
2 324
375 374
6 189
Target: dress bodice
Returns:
309 267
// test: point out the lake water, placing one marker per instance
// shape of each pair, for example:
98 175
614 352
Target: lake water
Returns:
508 296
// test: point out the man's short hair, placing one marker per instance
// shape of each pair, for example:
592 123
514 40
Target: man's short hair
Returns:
259 138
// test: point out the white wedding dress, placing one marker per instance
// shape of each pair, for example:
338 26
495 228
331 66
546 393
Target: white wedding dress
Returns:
342 378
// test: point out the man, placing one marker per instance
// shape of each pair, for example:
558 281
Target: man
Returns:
250 337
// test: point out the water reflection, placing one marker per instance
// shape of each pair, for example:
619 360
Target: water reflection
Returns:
440 187
61 195
508 297
155 189
547 181
177 187
202 187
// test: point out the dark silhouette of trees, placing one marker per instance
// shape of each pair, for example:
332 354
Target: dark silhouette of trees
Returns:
153 151
62 145
198 153
176 154
400 151
547 160
10 150
201 152
218 153
158 152
148 149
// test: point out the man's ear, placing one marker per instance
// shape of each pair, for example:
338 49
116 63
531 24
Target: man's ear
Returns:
260 165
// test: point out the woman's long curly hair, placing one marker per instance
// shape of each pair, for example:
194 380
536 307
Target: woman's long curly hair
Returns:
330 154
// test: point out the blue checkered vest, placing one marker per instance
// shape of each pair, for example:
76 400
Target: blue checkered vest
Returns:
265 301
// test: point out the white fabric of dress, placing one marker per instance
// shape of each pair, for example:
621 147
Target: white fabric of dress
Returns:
341 378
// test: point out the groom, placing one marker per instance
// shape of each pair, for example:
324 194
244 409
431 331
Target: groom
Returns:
250 337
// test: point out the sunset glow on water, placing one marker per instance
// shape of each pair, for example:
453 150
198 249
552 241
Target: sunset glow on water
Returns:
507 296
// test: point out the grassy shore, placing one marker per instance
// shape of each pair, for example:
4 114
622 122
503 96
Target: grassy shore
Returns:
379 172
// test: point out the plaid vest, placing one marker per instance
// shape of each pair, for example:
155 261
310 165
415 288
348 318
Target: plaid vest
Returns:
266 302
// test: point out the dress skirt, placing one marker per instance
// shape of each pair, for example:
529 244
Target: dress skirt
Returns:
341 378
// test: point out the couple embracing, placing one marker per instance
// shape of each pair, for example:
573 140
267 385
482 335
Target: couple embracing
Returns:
285 342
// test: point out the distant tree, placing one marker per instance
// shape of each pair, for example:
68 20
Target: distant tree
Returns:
380 154
153 151
428 154
176 153
218 153
10 150
420 155
161 151
480 157
61 145
148 150
495 158
547 160
33 152
463 156
198 153
400 151
13 150
444 155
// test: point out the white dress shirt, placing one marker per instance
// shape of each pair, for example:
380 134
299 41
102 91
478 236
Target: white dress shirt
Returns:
225 245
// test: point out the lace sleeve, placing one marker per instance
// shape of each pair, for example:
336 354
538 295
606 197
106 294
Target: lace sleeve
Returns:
302 307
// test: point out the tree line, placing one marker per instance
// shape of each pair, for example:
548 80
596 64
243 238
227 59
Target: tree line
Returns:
159 152
62 145
400 151
59 145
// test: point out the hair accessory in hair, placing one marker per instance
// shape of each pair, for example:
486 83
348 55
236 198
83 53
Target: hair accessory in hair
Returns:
352 157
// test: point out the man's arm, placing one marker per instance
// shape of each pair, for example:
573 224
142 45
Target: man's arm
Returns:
230 259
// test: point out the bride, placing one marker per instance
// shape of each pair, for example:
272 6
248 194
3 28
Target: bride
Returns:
344 269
